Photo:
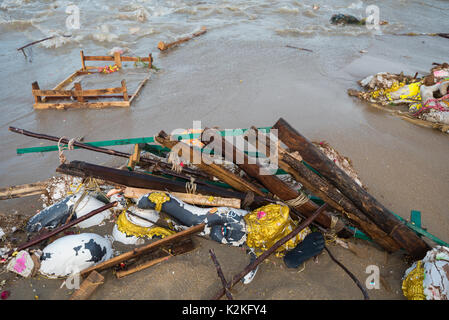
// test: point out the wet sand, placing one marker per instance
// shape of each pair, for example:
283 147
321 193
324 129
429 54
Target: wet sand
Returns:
223 81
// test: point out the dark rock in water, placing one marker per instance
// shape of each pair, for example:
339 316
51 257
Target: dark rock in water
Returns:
341 18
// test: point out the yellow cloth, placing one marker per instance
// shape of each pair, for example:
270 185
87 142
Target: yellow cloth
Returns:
412 286
268 224
131 229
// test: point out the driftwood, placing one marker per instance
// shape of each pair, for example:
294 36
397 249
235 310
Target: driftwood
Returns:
366 203
23 190
144 249
268 252
164 46
320 187
198 158
64 227
88 286
293 47
220 274
196 199
273 183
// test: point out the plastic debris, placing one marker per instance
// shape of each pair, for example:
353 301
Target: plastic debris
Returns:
21 264
73 253
428 279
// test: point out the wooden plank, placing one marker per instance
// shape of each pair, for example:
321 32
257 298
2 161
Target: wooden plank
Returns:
143 266
23 190
124 90
78 92
366 203
83 64
117 59
195 199
111 58
84 93
34 87
164 46
91 105
143 249
135 157
67 81
144 81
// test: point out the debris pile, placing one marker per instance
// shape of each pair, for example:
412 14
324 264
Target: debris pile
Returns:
421 100
199 183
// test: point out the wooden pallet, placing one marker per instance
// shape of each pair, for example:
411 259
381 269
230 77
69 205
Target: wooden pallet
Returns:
88 98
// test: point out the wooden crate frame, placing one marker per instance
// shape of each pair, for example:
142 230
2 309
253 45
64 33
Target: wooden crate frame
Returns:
80 96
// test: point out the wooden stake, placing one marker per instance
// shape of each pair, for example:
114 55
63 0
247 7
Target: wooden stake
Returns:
89 285
118 59
83 64
35 86
125 91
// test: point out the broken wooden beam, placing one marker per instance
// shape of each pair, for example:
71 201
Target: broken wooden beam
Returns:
195 199
164 46
272 249
143 249
372 208
320 187
88 286
272 182
206 163
143 266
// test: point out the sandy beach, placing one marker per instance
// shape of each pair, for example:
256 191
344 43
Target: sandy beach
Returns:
237 76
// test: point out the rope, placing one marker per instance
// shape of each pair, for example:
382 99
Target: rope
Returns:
61 148
191 186
175 161
298 201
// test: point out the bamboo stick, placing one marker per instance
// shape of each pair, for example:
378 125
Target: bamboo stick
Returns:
124 273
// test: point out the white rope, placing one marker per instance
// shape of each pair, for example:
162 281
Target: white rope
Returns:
300 200
191 186
175 161
61 148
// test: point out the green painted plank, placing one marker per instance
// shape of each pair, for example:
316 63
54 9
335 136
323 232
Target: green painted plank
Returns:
231 132
415 218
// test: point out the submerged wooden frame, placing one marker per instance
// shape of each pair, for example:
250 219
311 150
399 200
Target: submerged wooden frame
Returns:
80 97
